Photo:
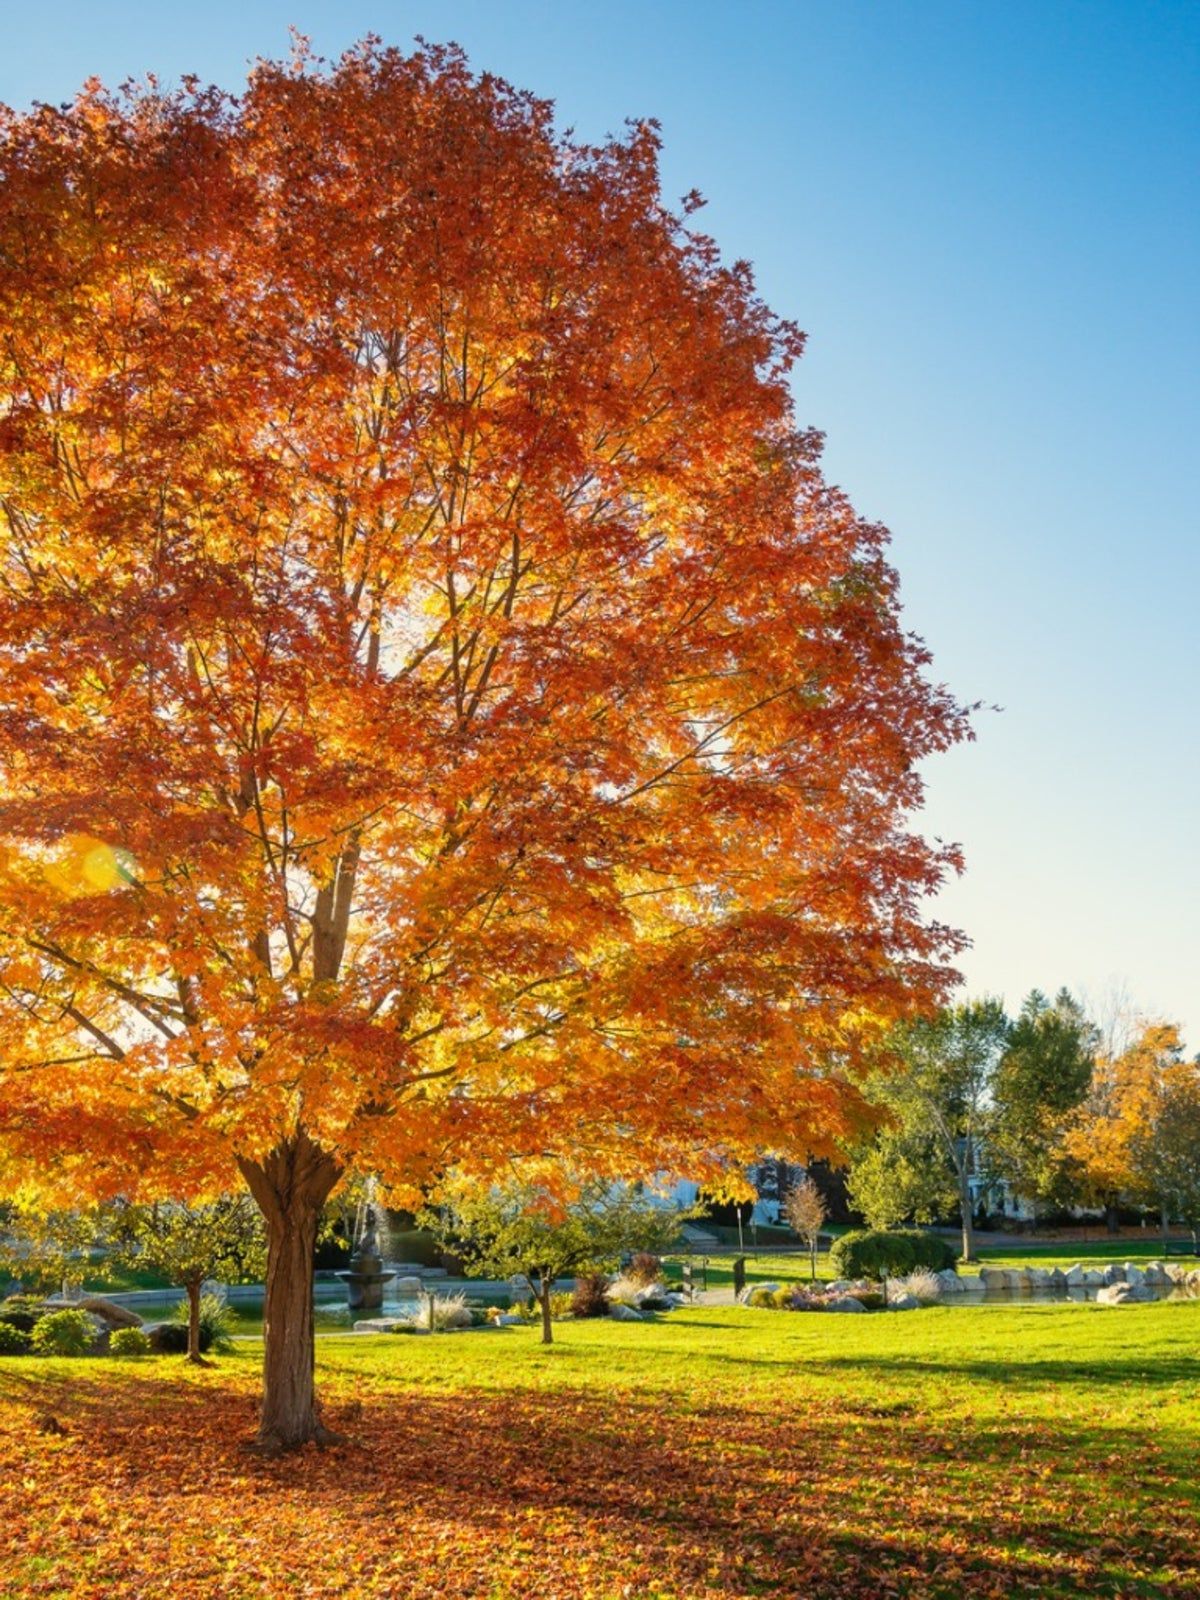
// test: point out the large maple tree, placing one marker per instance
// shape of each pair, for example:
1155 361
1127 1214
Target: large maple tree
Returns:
446 715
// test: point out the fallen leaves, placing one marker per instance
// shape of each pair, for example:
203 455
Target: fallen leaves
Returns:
556 1492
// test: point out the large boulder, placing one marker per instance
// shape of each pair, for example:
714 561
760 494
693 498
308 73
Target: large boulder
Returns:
1058 1279
1114 1273
993 1277
1075 1276
113 1315
753 1288
620 1313
1039 1278
654 1297
1123 1294
407 1287
904 1302
1133 1274
844 1302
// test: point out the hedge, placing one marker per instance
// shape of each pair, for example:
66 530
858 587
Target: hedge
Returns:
869 1254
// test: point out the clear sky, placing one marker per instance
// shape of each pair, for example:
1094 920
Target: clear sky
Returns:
987 218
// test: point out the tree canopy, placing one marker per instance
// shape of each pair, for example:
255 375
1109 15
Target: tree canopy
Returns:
446 715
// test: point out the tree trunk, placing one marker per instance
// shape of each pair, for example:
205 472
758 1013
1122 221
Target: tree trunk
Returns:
544 1301
290 1185
193 1348
1111 1217
968 1226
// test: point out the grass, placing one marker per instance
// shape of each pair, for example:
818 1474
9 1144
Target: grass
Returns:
1043 1450
794 1268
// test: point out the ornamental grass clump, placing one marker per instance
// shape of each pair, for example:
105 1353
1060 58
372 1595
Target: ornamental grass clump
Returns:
624 1291
645 1268
591 1296
922 1284
443 1313
218 1320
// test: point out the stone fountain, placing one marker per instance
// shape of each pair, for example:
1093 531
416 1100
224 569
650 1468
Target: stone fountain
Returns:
365 1277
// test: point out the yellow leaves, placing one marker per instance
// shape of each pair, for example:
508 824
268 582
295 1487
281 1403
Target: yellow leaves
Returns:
83 864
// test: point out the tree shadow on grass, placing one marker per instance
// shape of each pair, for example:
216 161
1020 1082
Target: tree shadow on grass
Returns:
591 1493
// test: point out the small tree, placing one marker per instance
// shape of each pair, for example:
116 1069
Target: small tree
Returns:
1165 1147
939 1100
1113 1131
523 1230
1041 1080
188 1244
45 1249
902 1175
806 1212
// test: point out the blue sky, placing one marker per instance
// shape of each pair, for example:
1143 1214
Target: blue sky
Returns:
986 217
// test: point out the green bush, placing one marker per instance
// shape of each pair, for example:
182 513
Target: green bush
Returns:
63 1333
129 1342
933 1251
23 1311
761 1297
869 1254
14 1341
782 1298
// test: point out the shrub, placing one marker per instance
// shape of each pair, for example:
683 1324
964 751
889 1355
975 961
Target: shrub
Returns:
932 1251
63 1333
761 1297
869 1254
171 1338
645 1268
783 1299
864 1254
23 1311
591 1296
14 1341
129 1342
218 1319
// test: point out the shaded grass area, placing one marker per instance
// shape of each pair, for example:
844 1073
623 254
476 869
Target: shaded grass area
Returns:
1042 1450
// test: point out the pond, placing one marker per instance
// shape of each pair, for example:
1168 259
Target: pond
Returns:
974 1293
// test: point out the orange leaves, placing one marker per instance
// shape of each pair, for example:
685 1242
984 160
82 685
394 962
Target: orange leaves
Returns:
706 1489
412 562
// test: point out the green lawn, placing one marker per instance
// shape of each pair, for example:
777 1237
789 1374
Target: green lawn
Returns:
769 1267
1044 1450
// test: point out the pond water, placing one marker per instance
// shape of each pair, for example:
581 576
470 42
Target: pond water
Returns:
975 1294
331 1314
